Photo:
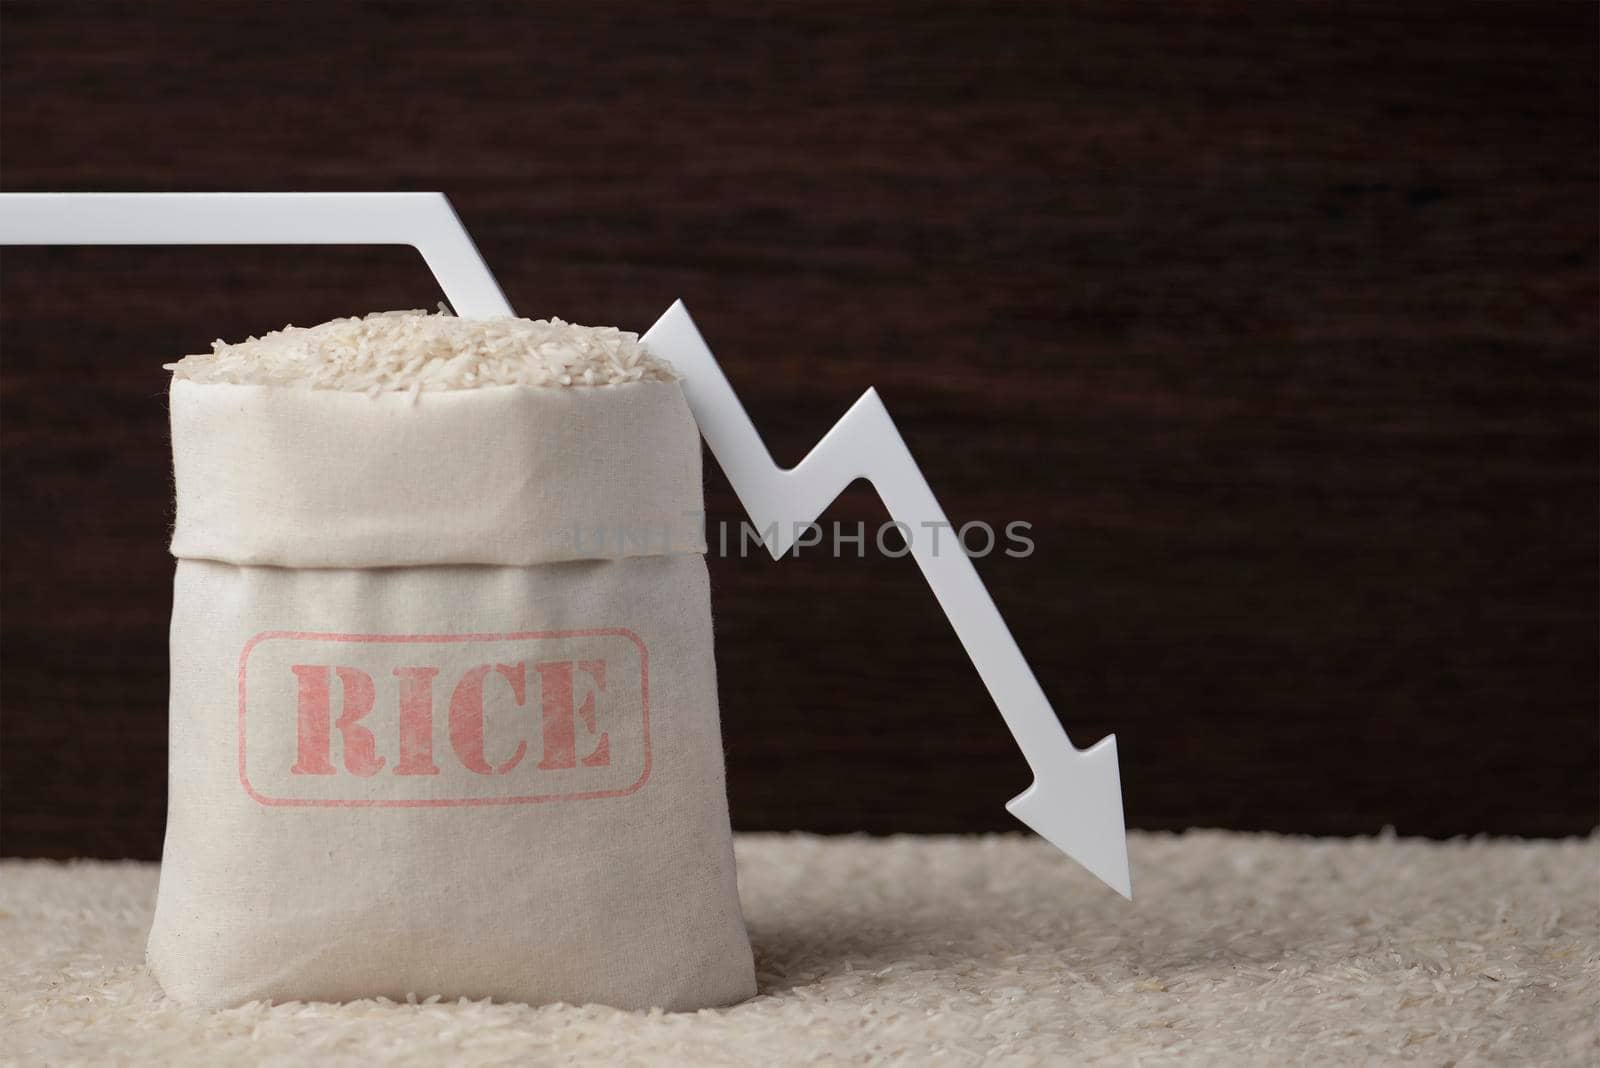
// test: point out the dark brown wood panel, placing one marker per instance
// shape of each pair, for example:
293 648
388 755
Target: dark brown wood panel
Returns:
1277 321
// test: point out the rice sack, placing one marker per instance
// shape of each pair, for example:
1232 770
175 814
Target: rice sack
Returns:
443 710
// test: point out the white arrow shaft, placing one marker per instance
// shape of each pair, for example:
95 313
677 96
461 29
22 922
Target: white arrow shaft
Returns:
425 221
865 443
966 602
1075 801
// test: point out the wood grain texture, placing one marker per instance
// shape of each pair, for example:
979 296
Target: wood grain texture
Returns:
1277 322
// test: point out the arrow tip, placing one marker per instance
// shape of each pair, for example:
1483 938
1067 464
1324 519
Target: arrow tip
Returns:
1077 807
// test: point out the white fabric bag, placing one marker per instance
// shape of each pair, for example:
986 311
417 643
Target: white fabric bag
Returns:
444 710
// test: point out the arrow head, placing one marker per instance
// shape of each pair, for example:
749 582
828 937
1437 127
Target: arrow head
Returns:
1075 804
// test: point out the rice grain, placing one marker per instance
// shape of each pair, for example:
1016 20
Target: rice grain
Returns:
413 351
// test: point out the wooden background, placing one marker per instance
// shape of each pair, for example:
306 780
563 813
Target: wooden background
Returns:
1278 322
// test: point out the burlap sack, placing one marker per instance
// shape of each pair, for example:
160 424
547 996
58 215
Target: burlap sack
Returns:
444 711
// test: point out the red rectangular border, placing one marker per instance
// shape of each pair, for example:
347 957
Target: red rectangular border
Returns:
602 632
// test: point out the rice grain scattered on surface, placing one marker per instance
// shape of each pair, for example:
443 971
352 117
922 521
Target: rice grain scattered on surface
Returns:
1239 949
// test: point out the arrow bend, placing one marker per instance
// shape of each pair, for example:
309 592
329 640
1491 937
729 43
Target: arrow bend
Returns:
1075 801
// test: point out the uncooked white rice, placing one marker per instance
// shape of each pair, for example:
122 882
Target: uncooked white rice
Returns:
919 950
411 351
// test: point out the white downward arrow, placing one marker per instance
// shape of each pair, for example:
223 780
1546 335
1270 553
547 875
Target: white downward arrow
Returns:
1075 801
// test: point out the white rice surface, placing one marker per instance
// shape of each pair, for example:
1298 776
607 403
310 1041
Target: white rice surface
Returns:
1237 950
412 351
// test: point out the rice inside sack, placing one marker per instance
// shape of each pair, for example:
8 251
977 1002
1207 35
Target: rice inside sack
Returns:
409 351
443 712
